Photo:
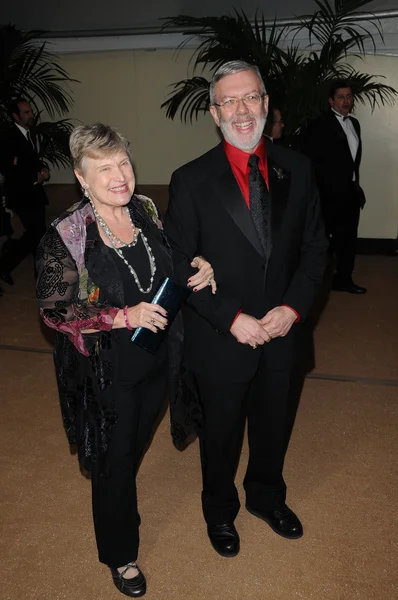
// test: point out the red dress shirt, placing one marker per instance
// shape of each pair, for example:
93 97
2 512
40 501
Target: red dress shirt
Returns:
238 159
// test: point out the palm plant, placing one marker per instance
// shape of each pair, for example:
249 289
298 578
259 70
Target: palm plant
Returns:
29 70
297 81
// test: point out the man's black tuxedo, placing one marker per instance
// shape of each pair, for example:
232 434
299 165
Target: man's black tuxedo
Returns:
208 216
341 197
20 165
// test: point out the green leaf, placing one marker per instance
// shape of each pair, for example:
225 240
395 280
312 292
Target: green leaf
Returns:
28 69
297 82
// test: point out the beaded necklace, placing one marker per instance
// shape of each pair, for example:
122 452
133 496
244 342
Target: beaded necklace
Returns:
114 240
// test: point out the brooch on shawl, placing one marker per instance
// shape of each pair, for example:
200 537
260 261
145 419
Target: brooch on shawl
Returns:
150 208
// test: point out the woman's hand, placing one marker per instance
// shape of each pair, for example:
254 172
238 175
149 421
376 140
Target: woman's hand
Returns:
204 277
150 316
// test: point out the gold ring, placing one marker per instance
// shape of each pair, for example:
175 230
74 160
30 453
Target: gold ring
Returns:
153 321
254 346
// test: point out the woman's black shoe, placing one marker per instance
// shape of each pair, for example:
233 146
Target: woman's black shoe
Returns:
134 587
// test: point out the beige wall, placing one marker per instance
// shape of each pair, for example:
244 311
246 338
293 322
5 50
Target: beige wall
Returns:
379 168
126 89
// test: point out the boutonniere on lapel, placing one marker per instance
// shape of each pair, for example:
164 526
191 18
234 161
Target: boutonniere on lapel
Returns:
280 173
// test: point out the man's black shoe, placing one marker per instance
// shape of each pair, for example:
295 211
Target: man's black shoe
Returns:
282 520
347 286
6 277
224 539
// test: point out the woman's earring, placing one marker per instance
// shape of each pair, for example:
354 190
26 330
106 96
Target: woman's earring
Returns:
85 188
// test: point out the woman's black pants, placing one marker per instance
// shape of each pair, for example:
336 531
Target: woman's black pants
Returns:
116 518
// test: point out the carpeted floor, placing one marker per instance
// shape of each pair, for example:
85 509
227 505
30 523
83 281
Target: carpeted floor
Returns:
341 471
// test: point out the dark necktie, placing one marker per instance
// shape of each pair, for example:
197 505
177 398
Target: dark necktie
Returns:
30 139
259 202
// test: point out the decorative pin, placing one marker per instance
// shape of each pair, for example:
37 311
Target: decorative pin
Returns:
279 173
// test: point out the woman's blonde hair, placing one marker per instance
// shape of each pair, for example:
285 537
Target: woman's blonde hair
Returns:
95 141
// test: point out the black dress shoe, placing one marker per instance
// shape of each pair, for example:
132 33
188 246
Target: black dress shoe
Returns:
6 277
282 520
348 286
224 539
134 587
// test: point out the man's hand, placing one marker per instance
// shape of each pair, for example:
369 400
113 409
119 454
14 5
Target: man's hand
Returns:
43 175
247 330
278 321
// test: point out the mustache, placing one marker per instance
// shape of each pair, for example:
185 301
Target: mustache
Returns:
244 118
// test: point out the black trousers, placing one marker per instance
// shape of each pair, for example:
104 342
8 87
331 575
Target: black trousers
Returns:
269 402
114 498
33 219
342 227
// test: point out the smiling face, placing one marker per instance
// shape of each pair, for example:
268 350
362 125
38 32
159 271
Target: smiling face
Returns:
342 101
109 179
242 125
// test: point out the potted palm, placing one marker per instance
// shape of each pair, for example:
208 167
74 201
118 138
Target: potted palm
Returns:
29 70
297 81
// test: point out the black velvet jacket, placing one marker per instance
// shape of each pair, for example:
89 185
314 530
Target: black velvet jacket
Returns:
79 287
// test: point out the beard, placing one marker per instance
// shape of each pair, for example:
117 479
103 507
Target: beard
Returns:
234 139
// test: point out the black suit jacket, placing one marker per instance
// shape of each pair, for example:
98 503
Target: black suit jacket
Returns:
328 148
20 164
208 216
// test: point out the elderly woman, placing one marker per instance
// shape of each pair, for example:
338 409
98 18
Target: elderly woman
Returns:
99 265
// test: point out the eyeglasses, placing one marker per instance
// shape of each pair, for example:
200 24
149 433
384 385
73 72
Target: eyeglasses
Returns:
248 100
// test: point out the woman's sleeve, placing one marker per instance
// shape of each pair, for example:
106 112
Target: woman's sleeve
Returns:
58 293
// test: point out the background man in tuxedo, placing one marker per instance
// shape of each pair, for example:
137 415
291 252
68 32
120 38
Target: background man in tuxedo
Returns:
274 126
252 209
24 175
335 147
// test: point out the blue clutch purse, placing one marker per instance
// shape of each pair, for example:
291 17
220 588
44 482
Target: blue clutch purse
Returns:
170 296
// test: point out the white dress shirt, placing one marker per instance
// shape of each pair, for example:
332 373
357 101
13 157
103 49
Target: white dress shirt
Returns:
28 137
22 130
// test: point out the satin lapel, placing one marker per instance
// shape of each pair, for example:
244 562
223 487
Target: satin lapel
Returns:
356 126
359 151
226 189
279 189
21 137
340 133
